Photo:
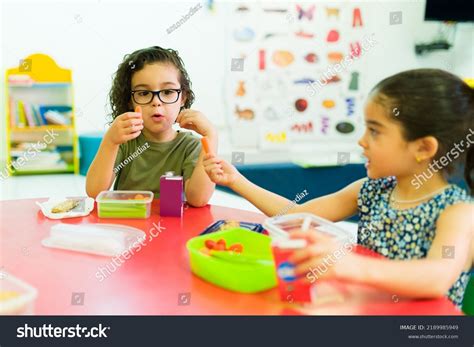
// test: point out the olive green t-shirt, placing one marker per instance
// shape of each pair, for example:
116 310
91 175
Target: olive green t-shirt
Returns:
140 163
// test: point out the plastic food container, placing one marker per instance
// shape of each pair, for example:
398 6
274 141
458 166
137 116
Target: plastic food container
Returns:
251 276
16 297
231 224
281 226
100 239
124 204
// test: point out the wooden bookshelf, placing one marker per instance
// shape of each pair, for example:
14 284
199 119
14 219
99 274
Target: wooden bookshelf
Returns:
41 134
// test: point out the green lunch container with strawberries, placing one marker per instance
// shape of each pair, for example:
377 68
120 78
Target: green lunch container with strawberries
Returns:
250 271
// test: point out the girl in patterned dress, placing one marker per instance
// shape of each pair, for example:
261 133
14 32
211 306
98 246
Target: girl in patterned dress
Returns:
419 129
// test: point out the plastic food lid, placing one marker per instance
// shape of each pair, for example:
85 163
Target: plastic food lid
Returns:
100 239
125 196
284 243
280 226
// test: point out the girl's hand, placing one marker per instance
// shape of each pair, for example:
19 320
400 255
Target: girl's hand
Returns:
220 171
324 256
125 127
195 120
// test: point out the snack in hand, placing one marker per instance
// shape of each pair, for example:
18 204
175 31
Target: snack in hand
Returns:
205 145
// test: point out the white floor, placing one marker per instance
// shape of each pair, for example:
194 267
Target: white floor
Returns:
44 186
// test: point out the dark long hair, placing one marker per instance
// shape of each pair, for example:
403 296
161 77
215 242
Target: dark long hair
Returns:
432 102
119 95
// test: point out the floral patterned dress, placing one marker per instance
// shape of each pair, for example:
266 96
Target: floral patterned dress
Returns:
405 234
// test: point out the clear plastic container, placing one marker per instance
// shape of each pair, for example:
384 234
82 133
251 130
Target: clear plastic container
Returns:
281 226
16 296
100 239
124 204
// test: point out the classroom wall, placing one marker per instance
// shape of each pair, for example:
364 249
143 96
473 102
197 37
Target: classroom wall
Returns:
91 37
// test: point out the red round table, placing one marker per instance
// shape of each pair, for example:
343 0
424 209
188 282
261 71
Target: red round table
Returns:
154 280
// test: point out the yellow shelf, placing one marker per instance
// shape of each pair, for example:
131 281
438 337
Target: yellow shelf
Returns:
38 71
41 68
42 128
68 169
40 85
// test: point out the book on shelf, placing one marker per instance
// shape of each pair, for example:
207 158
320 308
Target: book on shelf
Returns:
12 113
20 80
37 165
38 119
28 115
23 114
41 158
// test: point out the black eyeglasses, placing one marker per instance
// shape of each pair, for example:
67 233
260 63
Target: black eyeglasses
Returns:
166 96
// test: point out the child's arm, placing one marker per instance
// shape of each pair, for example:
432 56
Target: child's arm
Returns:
421 278
334 207
100 175
199 188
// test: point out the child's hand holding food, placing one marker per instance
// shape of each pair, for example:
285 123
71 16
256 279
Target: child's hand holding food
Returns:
220 171
125 127
195 120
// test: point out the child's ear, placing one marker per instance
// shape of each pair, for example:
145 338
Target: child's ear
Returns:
183 102
182 107
426 148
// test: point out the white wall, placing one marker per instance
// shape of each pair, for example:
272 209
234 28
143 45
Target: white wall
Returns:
91 37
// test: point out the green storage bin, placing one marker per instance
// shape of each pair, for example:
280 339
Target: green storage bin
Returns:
241 277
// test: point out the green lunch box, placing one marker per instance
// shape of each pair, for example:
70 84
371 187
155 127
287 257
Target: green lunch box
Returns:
252 271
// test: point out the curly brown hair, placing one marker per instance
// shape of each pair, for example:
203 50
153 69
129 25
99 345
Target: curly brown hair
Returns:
119 95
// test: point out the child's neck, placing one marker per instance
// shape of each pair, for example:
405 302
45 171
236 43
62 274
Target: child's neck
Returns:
407 191
164 136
